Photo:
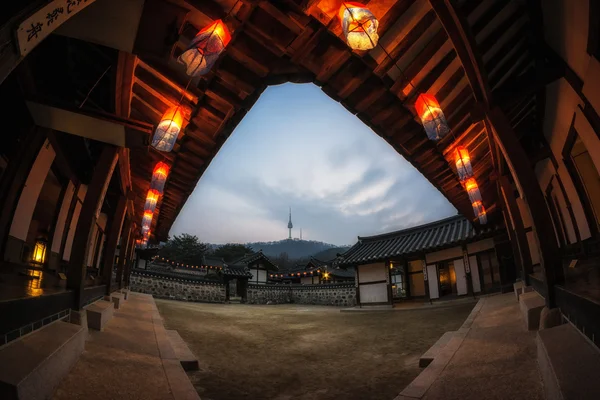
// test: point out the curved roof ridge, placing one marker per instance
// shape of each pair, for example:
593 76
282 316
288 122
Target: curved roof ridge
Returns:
413 229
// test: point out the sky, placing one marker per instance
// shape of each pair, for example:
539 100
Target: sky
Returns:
298 148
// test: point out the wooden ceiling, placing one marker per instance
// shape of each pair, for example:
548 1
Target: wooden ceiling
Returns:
301 41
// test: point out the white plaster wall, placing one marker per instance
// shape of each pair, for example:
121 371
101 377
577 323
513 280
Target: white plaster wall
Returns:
588 136
592 83
62 217
372 273
524 211
533 248
566 31
306 280
481 245
31 192
448 254
92 246
262 276
375 293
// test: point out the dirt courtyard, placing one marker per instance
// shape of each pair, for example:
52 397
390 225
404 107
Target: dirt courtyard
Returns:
287 352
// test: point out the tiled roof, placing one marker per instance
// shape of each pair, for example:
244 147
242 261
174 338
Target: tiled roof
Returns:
236 271
315 263
256 256
341 273
429 237
212 261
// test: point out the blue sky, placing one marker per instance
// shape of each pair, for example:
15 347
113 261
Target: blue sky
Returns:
297 147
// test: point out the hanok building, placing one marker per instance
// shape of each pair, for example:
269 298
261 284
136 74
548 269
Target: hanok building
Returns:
495 102
436 260
314 272
258 265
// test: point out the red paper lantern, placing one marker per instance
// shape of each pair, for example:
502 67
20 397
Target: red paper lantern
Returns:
151 200
147 219
159 177
432 117
205 48
463 163
473 190
359 26
168 129
480 212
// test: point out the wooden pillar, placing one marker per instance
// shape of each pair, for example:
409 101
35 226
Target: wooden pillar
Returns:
426 279
116 224
90 211
517 229
129 260
512 235
123 251
467 267
527 182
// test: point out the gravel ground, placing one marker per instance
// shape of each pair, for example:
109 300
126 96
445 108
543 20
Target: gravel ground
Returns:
286 352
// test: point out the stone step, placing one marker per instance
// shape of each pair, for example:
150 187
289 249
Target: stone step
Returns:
434 350
531 305
569 364
33 366
116 298
188 360
520 288
99 313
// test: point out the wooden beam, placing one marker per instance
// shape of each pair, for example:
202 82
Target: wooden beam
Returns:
90 211
114 230
529 187
516 227
167 81
210 8
465 46
527 84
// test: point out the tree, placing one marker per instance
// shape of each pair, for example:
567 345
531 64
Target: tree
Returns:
283 261
184 248
231 251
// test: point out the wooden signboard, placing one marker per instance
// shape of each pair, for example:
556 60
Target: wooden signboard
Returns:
44 21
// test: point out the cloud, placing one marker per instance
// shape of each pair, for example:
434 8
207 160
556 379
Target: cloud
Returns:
298 148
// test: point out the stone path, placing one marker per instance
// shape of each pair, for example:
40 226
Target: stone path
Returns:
491 357
131 359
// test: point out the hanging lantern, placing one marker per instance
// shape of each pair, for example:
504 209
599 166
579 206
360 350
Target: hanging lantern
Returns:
168 129
432 117
480 212
39 251
205 49
151 200
147 219
473 190
359 26
159 177
463 163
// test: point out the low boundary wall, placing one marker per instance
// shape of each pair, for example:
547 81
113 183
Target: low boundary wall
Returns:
189 288
343 295
177 288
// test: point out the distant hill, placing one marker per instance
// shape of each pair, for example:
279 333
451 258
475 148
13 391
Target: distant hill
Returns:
330 254
296 249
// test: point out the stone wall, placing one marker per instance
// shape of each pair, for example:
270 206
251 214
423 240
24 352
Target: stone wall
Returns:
272 294
342 295
177 288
